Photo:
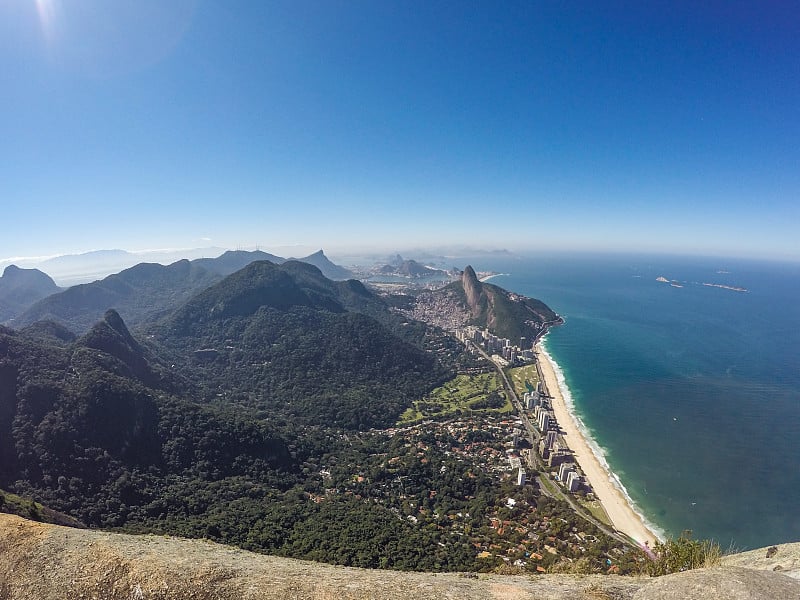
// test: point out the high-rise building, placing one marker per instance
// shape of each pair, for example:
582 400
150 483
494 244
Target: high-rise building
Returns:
521 477
544 421
544 451
564 470
573 481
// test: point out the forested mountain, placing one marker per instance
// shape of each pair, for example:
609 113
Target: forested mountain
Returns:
95 431
285 337
50 332
147 291
20 288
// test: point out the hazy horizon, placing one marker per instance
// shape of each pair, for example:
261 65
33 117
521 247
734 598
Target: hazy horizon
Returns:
527 126
73 269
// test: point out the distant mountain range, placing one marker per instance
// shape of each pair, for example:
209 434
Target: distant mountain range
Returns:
410 268
72 269
139 293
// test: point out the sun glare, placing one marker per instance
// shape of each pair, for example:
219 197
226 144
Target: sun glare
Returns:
48 12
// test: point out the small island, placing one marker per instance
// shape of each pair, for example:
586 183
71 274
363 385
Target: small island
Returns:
672 282
733 288
677 284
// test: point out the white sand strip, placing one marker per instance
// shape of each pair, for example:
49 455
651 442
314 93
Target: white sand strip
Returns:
622 515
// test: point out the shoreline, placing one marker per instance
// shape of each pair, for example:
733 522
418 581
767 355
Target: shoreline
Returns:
615 503
486 278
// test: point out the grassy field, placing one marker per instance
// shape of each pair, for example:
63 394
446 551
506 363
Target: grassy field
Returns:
524 379
597 510
465 394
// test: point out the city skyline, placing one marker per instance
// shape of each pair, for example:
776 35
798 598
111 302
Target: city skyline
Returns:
663 128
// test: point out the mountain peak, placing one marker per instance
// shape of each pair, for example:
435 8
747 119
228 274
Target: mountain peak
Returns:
328 268
20 288
113 320
472 290
260 284
469 274
111 335
14 274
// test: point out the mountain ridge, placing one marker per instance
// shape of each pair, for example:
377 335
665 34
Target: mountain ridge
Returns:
147 291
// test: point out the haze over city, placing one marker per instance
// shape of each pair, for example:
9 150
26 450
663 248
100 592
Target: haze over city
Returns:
618 126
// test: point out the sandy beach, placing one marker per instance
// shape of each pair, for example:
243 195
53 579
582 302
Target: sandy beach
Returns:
616 506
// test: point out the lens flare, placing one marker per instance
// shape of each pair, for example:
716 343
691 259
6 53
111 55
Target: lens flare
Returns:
48 13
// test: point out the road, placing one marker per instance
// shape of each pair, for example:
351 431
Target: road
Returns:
535 461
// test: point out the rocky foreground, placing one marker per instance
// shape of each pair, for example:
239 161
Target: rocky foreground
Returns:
42 562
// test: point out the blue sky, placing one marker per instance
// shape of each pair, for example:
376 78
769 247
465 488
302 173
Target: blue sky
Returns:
579 125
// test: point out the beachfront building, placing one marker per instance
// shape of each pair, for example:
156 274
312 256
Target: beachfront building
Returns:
557 457
573 481
531 400
564 470
543 420
544 451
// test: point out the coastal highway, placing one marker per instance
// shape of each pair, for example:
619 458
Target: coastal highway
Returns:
553 490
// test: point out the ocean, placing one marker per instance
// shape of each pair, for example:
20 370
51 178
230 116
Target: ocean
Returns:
692 393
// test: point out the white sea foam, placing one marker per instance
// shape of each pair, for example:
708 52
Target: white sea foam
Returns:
596 449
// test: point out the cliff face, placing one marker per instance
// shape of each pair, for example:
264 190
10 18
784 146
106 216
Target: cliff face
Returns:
503 313
43 562
472 291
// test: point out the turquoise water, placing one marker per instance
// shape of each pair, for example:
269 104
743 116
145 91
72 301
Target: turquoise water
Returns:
692 393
